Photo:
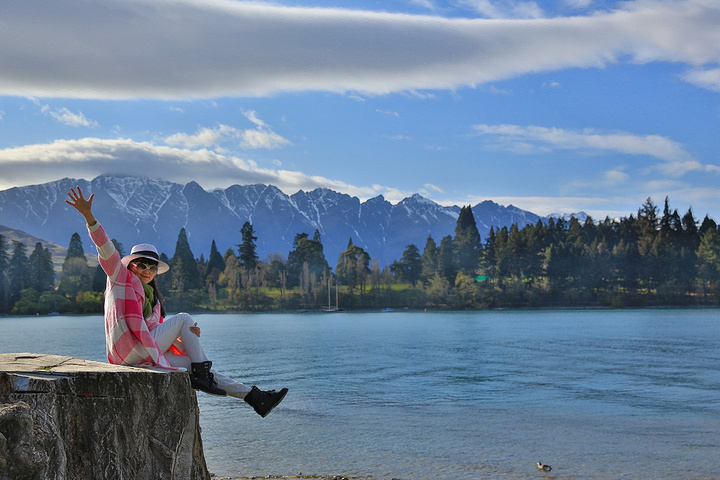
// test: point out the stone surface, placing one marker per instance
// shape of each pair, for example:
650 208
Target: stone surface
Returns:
65 418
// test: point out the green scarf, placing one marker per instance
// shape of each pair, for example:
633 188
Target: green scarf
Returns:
149 299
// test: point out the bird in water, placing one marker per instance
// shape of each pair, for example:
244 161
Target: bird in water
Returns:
543 467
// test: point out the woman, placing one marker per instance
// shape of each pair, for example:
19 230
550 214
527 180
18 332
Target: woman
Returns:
136 332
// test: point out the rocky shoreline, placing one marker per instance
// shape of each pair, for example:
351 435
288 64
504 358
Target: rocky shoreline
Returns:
301 476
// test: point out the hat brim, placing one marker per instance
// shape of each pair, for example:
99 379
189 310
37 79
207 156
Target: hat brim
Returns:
162 266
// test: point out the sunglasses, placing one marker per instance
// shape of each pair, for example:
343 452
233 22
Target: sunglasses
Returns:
144 267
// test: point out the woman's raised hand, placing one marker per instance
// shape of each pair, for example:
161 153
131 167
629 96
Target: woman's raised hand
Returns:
82 205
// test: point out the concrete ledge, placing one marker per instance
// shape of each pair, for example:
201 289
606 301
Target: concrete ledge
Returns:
69 418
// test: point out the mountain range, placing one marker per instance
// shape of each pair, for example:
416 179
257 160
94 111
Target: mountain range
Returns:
136 210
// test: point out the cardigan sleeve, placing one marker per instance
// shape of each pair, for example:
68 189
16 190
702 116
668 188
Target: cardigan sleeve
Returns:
108 256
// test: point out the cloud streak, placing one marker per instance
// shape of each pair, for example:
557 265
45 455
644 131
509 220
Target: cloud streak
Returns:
261 137
533 139
708 79
189 49
89 157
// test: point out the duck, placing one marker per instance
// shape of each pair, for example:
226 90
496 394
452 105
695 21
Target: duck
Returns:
544 467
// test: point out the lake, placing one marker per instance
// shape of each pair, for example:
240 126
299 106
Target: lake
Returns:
597 394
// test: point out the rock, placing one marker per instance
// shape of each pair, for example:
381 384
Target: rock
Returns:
64 418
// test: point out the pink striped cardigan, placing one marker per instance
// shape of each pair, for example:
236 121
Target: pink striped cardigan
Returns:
127 334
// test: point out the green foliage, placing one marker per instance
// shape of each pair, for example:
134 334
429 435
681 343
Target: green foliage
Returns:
54 302
75 276
353 266
429 259
246 250
410 267
4 287
184 269
215 264
27 303
18 271
42 274
89 302
644 260
306 258
75 249
467 244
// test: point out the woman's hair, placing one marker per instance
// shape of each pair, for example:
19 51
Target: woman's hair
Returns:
158 296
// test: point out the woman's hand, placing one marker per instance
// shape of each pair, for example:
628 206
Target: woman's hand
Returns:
82 205
195 329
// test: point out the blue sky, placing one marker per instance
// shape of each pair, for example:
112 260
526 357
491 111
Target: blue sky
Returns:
552 106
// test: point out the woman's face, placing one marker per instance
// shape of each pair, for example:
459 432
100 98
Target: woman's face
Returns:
145 269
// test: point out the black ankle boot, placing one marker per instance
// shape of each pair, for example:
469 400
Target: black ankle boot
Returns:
202 378
263 402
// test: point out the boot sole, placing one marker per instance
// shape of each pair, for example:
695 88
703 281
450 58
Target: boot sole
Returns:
284 392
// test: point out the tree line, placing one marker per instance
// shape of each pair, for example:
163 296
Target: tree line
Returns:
650 259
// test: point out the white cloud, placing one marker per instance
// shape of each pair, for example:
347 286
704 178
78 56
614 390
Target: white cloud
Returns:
503 9
596 207
389 113
615 177
681 167
708 78
66 117
205 137
89 157
190 49
533 139
552 84
429 187
578 3
429 4
260 137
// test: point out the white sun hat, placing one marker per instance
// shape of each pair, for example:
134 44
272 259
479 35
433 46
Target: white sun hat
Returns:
146 250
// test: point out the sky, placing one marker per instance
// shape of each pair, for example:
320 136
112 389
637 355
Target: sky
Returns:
554 107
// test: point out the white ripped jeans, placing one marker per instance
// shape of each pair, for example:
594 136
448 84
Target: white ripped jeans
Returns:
175 331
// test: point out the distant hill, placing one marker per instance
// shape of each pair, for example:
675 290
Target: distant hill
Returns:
135 210
58 252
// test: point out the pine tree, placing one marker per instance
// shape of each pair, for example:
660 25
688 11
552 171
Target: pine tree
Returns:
215 264
429 259
690 235
18 271
353 266
184 268
306 251
468 246
75 249
488 260
42 273
647 224
707 224
409 268
447 267
164 281
709 260
4 287
247 255
76 275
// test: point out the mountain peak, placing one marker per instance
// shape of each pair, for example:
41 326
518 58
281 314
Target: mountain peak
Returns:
134 209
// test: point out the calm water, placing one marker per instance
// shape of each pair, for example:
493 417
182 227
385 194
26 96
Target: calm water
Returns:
624 394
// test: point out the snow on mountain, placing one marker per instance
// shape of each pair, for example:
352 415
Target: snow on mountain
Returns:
136 209
581 216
